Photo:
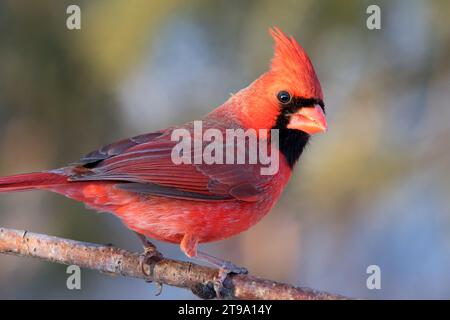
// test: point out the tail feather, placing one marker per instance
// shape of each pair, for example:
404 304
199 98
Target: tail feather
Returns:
29 181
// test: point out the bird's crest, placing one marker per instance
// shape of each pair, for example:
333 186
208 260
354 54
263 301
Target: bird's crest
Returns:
292 63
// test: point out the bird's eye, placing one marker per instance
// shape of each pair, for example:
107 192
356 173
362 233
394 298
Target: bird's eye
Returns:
284 97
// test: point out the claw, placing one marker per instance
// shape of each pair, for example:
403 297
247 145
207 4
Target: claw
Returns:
218 283
159 286
226 269
143 260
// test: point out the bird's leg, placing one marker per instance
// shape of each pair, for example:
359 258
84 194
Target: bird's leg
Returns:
225 268
189 246
150 252
149 248
221 264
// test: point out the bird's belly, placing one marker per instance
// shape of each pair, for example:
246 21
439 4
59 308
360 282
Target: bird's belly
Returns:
168 219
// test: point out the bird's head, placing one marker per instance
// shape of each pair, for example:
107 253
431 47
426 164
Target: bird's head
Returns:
289 95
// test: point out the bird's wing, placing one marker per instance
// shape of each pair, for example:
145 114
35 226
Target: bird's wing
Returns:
143 164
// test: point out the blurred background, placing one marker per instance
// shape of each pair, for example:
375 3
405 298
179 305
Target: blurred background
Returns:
373 190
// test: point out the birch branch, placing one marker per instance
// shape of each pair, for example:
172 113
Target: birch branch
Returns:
199 279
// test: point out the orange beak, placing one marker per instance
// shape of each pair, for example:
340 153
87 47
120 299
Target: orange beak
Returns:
310 120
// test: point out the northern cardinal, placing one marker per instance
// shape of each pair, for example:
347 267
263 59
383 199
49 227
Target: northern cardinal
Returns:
188 204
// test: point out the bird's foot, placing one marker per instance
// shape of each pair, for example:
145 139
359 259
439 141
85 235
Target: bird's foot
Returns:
225 268
146 258
150 253
223 273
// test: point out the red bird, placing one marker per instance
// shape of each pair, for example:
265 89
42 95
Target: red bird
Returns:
188 204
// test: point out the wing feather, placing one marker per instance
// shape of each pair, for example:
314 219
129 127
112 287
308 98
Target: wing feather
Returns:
143 164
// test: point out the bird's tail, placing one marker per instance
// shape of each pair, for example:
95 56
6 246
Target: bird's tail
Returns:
29 181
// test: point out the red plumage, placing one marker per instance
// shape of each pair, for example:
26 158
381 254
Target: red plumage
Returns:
136 179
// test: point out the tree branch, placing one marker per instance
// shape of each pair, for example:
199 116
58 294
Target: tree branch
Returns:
199 279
